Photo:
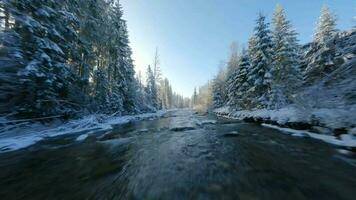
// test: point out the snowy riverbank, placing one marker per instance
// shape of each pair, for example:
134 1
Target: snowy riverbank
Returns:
335 126
14 137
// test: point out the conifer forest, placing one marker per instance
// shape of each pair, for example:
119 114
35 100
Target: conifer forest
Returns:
127 99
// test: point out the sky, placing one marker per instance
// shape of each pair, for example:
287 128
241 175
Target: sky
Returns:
193 36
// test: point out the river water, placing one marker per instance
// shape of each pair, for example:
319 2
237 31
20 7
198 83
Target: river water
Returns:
146 160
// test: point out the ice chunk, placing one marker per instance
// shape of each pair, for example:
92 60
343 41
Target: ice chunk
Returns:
204 122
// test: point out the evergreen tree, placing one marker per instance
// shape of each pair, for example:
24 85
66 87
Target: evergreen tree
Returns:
43 75
65 56
320 56
286 60
238 97
232 67
326 24
261 58
219 89
195 98
151 89
157 74
101 90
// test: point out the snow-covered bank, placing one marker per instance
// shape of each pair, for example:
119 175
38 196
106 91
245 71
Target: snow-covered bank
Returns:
25 135
345 140
335 126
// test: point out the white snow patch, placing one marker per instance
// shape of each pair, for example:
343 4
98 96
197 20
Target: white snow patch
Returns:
344 151
29 134
346 140
288 131
353 132
223 110
281 116
204 122
330 117
82 137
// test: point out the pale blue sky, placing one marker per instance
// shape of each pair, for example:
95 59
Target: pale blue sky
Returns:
193 36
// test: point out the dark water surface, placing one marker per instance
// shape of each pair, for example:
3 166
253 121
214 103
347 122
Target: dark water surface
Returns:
145 160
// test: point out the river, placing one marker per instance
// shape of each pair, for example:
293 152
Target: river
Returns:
151 160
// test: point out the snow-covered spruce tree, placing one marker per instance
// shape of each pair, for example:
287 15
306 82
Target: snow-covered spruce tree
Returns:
158 77
167 94
101 90
232 67
320 56
58 53
194 98
219 91
240 85
43 76
286 60
259 76
326 24
127 70
151 89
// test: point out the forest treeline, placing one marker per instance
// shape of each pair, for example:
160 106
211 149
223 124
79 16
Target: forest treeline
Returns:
275 71
69 57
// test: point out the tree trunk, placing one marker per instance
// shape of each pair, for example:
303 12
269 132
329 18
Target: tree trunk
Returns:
7 19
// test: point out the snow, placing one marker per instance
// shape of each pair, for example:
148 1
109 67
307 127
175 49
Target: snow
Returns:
288 131
353 132
282 116
232 134
29 134
82 137
329 117
116 142
346 140
204 122
222 110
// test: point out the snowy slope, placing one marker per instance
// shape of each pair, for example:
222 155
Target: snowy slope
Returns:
326 104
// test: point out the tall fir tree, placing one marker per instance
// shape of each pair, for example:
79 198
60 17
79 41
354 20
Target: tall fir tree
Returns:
219 89
63 57
240 86
325 27
151 88
286 60
260 77
232 67
158 77
195 98
320 56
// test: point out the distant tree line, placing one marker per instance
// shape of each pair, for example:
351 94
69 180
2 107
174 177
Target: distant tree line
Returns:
159 93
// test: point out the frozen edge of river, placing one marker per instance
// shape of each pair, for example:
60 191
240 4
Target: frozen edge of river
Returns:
29 134
281 119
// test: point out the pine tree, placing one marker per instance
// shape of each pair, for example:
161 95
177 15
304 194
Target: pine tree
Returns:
325 29
219 89
157 74
59 53
320 56
238 97
195 98
232 67
151 89
286 60
43 75
101 91
261 58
